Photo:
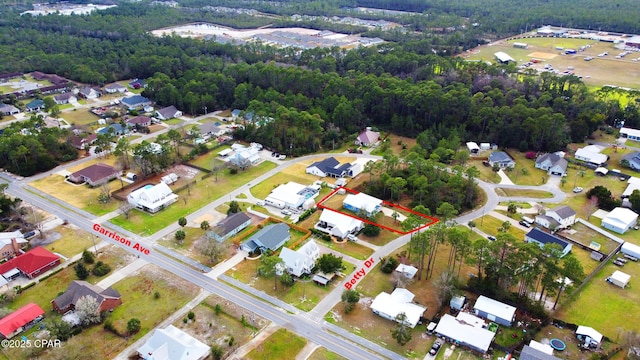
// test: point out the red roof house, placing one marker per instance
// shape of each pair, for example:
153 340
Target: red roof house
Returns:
31 264
19 320
368 137
94 175
139 120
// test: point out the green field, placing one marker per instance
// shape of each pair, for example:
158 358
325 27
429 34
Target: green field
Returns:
598 72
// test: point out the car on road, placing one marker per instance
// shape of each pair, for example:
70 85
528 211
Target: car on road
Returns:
577 189
435 347
491 237
525 224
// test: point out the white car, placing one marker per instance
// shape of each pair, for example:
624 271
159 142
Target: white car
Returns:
260 203
577 189
285 212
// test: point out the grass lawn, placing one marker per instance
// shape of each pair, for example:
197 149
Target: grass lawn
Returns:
66 106
138 301
349 248
585 236
198 196
4 89
489 225
79 117
174 121
322 353
524 193
72 241
525 172
281 345
80 196
187 246
303 294
486 173
208 160
263 189
605 306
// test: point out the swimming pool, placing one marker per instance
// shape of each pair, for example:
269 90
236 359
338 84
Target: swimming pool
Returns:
148 186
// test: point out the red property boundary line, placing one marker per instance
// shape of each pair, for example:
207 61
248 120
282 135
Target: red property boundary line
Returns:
431 220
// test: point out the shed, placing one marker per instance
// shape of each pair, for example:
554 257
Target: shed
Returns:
620 220
494 310
473 147
619 278
589 335
457 302
631 249
407 270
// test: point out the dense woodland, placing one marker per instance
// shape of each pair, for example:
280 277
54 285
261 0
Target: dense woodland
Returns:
318 98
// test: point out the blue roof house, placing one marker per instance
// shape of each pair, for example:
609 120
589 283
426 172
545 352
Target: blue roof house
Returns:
35 105
115 129
136 101
502 159
271 237
542 238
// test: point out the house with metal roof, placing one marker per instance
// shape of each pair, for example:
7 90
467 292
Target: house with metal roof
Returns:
502 159
94 175
542 238
107 299
466 330
362 202
136 102
270 237
172 343
560 217
231 225
553 164
494 310
20 320
330 167
620 220
152 198
400 301
338 224
630 133
168 112
591 154
301 261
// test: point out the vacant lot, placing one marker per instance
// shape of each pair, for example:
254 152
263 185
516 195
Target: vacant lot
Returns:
598 72
80 117
69 240
490 225
281 345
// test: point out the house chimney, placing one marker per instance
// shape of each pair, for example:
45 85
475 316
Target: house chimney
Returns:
15 246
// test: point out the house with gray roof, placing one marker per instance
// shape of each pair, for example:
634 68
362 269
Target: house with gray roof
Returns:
554 164
330 167
230 226
64 98
531 353
108 299
88 92
560 217
115 88
502 159
633 160
271 237
8 109
135 102
168 112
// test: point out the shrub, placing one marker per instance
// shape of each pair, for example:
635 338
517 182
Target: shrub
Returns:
191 315
371 230
88 257
101 269
389 263
530 155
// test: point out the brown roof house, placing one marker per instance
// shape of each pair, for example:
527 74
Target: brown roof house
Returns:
139 121
367 138
108 298
81 141
94 175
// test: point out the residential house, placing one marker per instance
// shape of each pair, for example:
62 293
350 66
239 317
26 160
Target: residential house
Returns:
89 92
11 244
34 105
292 195
302 261
80 142
20 320
137 84
633 185
537 351
52 122
629 133
553 164
542 238
245 157
115 129
560 217
270 237
152 198
620 220
107 299
400 301
94 175
64 98
330 167
633 160
138 121
495 311
230 226
502 159
8 76
8 109
338 224
172 343
591 154
168 112
407 271
235 113
362 202
589 336
209 130
466 330
30 264
368 137
115 88
473 148
135 102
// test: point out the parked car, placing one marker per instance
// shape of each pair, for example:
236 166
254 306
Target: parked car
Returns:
525 224
435 347
29 234
491 237
577 189
260 203
285 212
352 237
486 163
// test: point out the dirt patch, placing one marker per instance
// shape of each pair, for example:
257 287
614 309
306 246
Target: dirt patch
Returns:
183 171
542 55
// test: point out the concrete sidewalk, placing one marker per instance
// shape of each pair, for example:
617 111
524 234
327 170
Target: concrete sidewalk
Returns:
122 273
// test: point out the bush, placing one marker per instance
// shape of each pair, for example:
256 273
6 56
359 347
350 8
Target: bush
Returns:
320 234
371 230
233 171
88 257
389 263
306 214
530 155
101 269
191 315
81 271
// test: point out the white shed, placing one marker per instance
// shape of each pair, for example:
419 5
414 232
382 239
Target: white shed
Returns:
631 249
619 278
473 147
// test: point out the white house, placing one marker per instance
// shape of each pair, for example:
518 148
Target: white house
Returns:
245 156
591 154
467 330
172 343
634 184
407 270
629 133
115 88
291 195
362 202
553 164
168 112
589 335
152 198
620 220
619 278
337 224
302 261
494 310
400 301
559 217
